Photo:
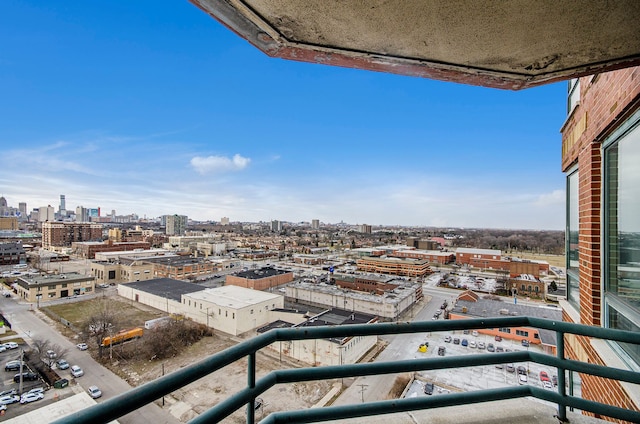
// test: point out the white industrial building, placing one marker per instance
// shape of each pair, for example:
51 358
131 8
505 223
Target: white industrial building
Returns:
230 309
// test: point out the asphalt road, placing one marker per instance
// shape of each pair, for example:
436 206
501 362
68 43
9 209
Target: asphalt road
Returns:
401 347
29 326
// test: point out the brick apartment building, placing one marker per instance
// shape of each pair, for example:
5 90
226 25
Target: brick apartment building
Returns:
600 156
432 256
63 234
260 279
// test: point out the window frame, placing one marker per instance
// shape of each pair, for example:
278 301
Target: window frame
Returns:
610 300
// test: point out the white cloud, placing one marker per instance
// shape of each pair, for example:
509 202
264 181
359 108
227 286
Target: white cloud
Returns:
554 198
211 164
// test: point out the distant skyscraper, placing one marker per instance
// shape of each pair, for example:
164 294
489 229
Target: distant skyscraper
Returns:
46 213
224 220
63 204
315 224
176 224
276 225
22 207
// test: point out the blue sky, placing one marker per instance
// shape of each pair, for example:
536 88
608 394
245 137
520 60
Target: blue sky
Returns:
155 108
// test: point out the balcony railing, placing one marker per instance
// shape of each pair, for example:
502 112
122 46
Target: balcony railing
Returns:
149 392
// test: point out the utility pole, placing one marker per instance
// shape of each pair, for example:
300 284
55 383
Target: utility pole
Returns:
363 387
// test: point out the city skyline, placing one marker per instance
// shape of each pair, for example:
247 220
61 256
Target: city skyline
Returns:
175 114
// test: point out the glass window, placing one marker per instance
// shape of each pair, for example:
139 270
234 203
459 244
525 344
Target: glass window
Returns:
573 280
573 99
621 207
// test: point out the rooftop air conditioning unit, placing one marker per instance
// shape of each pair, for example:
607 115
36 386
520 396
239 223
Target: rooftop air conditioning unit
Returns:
503 312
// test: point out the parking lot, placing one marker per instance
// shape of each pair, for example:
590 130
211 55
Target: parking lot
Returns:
476 378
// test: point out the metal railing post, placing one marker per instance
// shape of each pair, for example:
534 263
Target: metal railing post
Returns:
251 384
562 408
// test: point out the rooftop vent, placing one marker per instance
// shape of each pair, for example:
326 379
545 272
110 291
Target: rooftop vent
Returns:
503 312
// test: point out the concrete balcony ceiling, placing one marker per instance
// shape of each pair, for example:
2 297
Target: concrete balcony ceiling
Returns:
511 44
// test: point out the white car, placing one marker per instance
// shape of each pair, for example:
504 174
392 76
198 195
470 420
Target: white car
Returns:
82 346
547 385
472 344
76 371
6 400
94 392
31 397
11 345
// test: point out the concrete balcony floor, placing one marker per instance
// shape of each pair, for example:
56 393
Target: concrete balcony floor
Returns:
513 411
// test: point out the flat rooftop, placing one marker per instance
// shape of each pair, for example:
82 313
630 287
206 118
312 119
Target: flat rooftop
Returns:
67 277
165 287
256 274
233 296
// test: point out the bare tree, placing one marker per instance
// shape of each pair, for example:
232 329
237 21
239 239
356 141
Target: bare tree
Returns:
102 322
48 352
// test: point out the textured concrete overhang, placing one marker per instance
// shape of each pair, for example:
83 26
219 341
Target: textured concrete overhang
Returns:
509 44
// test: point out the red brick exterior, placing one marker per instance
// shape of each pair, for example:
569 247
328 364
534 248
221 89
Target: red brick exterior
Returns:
606 100
259 283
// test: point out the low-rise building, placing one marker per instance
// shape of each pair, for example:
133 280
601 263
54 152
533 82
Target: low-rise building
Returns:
469 305
230 309
182 267
265 278
388 306
53 286
465 255
12 253
322 352
395 266
88 250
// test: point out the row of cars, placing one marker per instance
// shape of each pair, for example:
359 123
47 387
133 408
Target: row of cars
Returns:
11 396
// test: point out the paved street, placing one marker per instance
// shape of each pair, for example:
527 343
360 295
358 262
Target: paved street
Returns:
28 324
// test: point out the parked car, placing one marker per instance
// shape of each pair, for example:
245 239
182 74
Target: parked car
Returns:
474 333
8 392
9 399
490 347
472 344
447 339
465 331
31 397
464 342
499 366
12 366
498 338
82 346
544 376
94 392
547 384
441 350
11 345
103 286
51 354
522 370
481 345
456 340
3 348
76 371
26 376
428 388
499 349
525 343
36 390
511 368
62 364
522 378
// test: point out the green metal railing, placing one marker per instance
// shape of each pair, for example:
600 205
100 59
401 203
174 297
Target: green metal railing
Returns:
130 401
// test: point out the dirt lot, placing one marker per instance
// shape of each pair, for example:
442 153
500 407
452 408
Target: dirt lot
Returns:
192 400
